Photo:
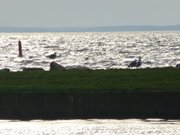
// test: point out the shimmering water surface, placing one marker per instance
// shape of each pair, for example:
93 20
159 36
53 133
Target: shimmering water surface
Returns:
91 127
92 50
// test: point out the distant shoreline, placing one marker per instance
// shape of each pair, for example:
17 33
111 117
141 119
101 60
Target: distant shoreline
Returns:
93 29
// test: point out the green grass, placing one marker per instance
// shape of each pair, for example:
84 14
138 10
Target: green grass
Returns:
158 79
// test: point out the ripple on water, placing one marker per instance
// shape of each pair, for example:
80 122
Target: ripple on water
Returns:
91 126
95 50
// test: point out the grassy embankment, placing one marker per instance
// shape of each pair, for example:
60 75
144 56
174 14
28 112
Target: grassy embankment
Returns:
159 79
140 93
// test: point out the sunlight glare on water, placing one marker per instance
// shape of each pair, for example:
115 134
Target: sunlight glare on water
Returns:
92 50
91 127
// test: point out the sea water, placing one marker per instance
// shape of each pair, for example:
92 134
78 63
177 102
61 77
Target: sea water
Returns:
92 50
91 127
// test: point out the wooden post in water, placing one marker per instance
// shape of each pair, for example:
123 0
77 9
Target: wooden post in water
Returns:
20 49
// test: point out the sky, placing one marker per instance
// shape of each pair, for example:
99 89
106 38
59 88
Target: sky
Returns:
69 13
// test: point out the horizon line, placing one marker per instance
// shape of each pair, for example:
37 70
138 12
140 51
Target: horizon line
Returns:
133 25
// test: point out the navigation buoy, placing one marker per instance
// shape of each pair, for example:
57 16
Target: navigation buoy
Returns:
20 49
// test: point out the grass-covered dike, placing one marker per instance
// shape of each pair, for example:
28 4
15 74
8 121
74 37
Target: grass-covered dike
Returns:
115 93
158 79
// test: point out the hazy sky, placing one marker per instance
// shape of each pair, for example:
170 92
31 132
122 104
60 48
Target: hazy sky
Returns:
59 13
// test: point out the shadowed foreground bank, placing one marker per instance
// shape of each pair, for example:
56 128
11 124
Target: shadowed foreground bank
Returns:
89 105
141 93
